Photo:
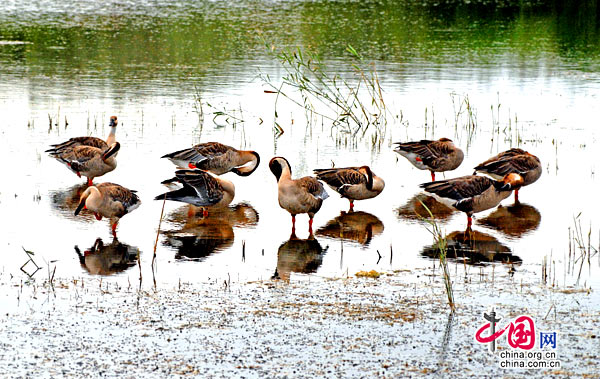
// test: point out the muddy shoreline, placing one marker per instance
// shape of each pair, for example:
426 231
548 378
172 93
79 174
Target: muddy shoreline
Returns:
396 325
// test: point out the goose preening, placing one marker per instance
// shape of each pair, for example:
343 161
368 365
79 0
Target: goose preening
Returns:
353 183
89 156
216 158
303 195
89 161
60 148
516 161
472 194
200 189
108 200
435 156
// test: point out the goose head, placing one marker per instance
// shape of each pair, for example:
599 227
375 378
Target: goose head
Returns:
280 166
246 170
366 171
90 198
113 122
511 182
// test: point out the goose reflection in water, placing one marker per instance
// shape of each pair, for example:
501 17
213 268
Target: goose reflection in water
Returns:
66 201
514 220
103 259
474 247
298 255
200 236
358 227
414 209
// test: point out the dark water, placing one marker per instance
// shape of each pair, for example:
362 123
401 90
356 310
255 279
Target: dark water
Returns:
529 70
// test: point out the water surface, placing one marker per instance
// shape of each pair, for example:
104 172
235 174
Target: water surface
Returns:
530 72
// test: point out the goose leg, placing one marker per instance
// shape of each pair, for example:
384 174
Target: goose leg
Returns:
432 176
89 182
516 196
351 205
310 222
204 212
469 222
294 224
114 229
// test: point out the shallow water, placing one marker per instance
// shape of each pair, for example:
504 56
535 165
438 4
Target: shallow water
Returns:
529 71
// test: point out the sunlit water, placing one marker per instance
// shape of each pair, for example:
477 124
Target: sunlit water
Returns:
530 78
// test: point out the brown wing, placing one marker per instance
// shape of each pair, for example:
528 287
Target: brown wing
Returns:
198 152
509 162
313 186
459 188
211 149
61 148
421 148
207 188
127 198
337 177
80 154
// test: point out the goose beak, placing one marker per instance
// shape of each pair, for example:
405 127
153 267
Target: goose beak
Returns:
191 165
80 207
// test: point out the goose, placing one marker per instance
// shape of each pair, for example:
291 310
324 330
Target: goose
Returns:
109 200
304 195
64 147
201 189
516 161
353 183
90 161
435 156
472 194
216 158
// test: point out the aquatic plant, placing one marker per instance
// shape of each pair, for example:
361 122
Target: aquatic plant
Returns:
352 105
441 243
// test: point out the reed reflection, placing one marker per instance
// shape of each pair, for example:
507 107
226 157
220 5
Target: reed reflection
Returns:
473 247
298 255
102 259
358 227
414 209
200 236
514 220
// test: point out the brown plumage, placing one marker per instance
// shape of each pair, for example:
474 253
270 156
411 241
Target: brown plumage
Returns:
304 195
516 161
216 158
353 183
201 189
108 200
472 194
60 149
435 156
90 161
